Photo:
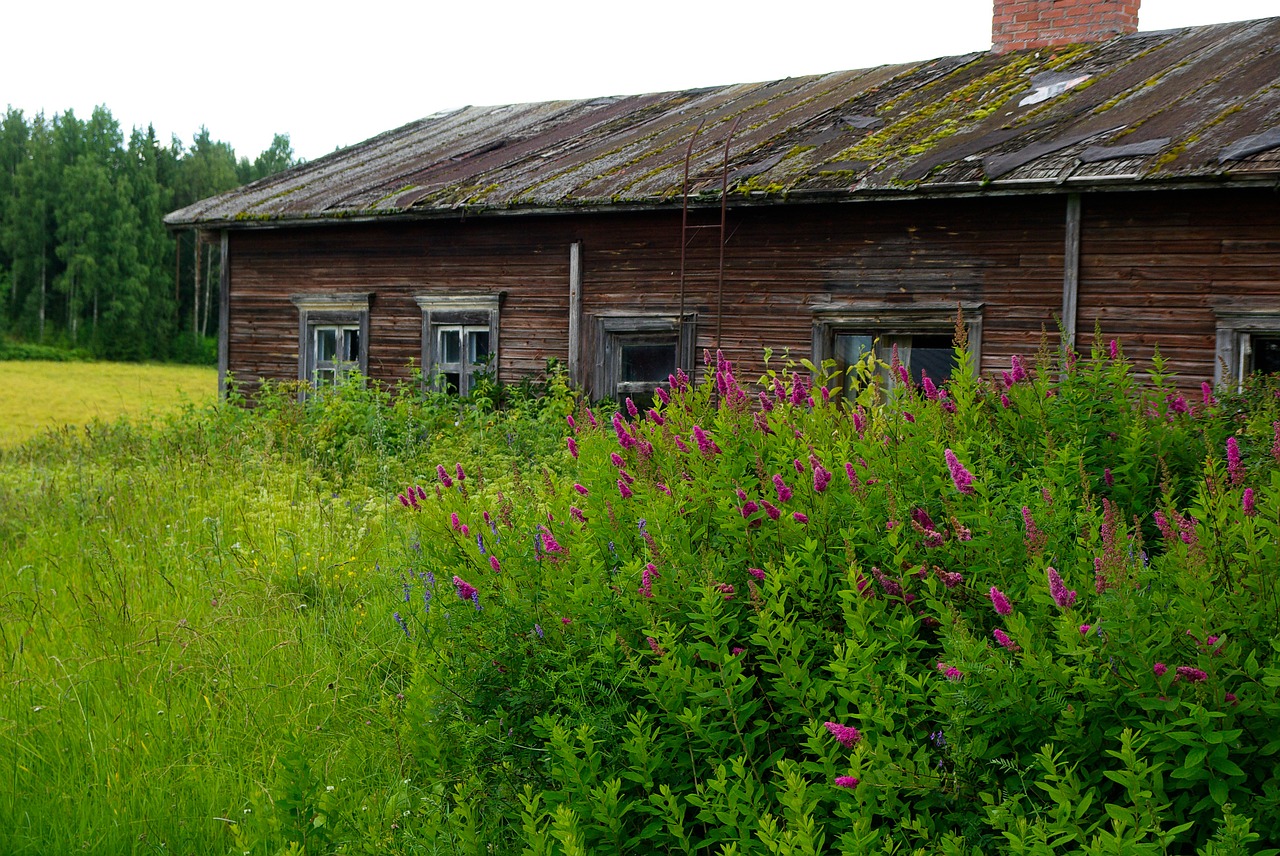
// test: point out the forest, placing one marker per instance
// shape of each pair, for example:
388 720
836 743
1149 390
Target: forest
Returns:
86 264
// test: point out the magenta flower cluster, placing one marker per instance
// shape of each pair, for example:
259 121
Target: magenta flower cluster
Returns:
962 478
846 735
1058 590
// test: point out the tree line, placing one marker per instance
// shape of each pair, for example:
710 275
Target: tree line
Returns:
85 259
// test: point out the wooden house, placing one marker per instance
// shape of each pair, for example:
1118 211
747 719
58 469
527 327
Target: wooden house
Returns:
1080 173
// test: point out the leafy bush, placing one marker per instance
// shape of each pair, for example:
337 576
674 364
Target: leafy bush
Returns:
1034 614
14 350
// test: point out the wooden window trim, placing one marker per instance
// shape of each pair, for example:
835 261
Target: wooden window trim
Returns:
339 309
1233 330
458 310
614 329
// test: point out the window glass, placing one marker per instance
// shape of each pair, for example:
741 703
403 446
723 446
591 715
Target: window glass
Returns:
450 345
1266 353
647 362
477 346
351 344
326 343
920 353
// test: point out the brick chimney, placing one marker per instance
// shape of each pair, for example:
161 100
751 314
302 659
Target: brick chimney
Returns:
1018 24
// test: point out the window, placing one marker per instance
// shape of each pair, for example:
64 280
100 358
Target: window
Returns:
333 336
459 339
922 333
1248 341
637 353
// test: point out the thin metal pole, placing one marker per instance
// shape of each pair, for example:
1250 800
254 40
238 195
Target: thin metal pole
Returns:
684 240
724 203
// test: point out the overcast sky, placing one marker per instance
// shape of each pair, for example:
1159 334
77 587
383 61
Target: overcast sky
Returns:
330 75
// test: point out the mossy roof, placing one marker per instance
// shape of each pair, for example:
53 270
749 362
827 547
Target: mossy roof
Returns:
1183 107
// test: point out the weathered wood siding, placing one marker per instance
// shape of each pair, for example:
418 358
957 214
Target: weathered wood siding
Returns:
1152 267
1155 266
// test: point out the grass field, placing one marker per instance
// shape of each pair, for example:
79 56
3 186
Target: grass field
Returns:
36 396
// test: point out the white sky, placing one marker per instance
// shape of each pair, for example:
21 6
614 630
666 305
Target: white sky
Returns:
330 74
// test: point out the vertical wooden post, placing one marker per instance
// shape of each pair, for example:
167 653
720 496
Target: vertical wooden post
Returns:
195 302
575 313
224 316
1071 271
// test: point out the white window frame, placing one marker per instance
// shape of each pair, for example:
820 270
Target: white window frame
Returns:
879 320
1234 334
339 311
615 331
463 313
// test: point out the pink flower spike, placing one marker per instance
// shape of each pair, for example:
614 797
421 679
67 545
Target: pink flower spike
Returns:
770 509
443 476
1085 628
961 477
1000 602
580 489
846 735
1058 591
1234 467
800 518
1113 350
495 564
573 446
624 489
846 782
632 409
1192 674
758 573
1206 392
1004 640
1247 503
573 426
784 492
1159 669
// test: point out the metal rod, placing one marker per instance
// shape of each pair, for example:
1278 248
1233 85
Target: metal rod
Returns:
684 241
724 205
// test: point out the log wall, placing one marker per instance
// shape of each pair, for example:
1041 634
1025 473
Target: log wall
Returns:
1152 268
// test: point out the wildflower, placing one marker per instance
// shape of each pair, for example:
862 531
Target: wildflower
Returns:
1018 372
580 489
616 460
625 440
1109 479
1246 503
1004 640
680 444
480 543
770 509
646 580
662 396
706 445
930 391
765 404
623 489
1178 403
1085 628
576 514
950 579
758 573
1187 529
738 649
632 409
1004 401
800 518
537 628
403 626
1275 442
1058 591
454 522
1000 602
495 564
907 416
784 492
826 395
591 417
655 417
1191 674
951 673
846 782
903 376
1231 697
798 390
845 735
573 426
960 532
821 478
462 476
961 477
573 446
1034 537
654 646
854 481
749 508
566 621
549 543
725 589
798 466
1159 669
466 591
1163 525
404 500
443 476
1206 392
1234 468
892 588
1113 350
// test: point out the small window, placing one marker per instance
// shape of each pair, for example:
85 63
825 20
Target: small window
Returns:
1247 342
333 336
459 340
636 354
923 336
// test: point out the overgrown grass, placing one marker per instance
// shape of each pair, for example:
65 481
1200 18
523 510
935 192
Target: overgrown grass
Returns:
41 395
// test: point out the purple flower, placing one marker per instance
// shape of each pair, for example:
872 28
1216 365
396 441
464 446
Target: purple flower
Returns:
655 417
749 508
737 649
443 475
454 522
1085 628
1246 503
854 482
1019 373
625 440
950 579
662 395
845 735
623 489
706 445
1234 468
466 591
580 489
654 646
576 514
1113 350
846 782
616 460
573 426
495 564
573 446
1004 640
1000 602
1191 674
462 476
1166 531
1004 401
891 587
1159 669
1109 479
400 621
784 492
725 589
821 478
758 573
950 672
770 509
1206 393
961 477
1058 591
632 409
800 518
537 628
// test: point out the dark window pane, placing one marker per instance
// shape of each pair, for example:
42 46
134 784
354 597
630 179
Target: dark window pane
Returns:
351 344
1266 354
450 382
326 343
647 362
477 346
450 346
933 354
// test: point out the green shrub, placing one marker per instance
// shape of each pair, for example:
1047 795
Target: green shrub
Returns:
1034 614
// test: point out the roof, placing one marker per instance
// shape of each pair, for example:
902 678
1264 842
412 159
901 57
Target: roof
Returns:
1199 105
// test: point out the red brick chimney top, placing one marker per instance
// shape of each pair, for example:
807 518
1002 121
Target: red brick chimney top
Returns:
1018 24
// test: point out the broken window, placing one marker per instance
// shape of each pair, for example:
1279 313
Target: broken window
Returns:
459 340
333 336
